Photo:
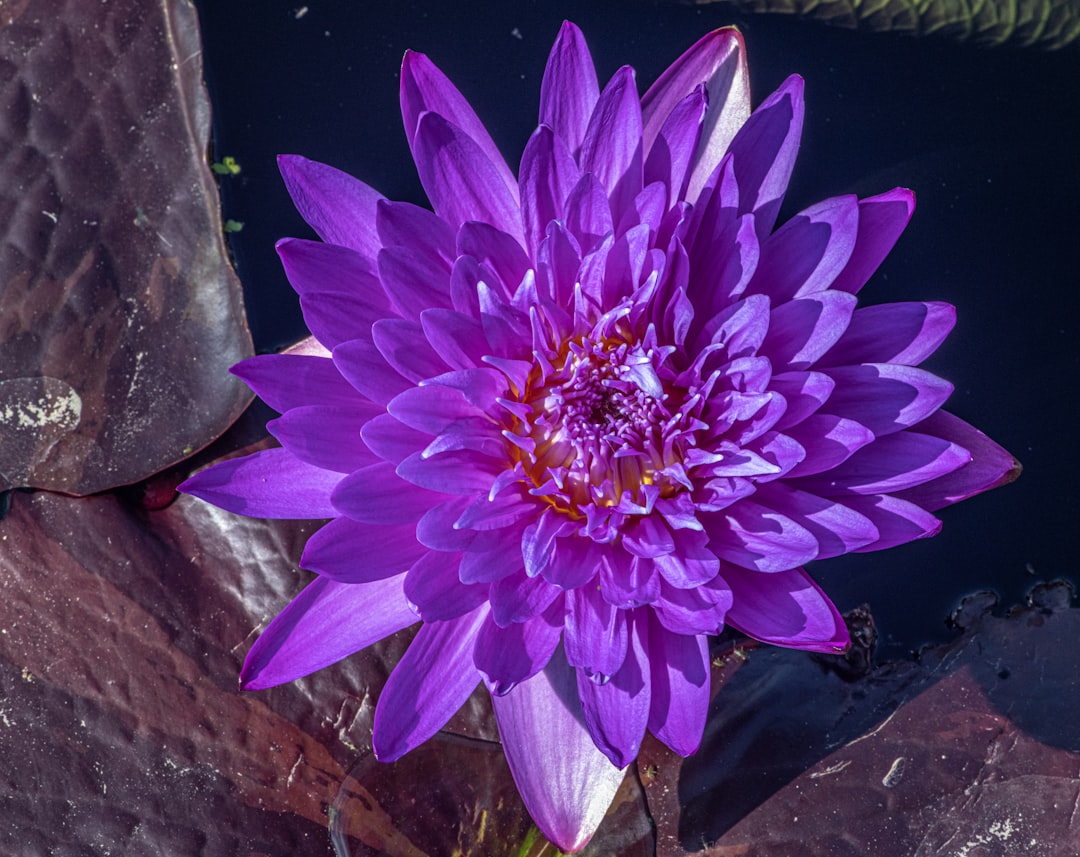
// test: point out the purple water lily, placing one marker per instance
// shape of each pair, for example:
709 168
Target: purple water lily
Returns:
576 420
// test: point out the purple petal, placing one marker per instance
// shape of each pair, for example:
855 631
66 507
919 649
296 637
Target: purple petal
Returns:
785 608
377 495
403 345
990 466
392 441
597 636
455 337
490 556
518 597
827 441
432 408
460 180
502 253
339 290
679 671
402 224
617 710
567 784
459 472
754 536
268 484
905 333
339 208
806 254
431 682
671 155
435 592
886 397
692 562
413 281
351 552
611 149
588 213
368 372
323 624
717 60
764 151
700 610
628 581
801 330
891 463
425 88
898 521
804 392
837 527
508 656
287 381
547 175
569 89
326 436
881 221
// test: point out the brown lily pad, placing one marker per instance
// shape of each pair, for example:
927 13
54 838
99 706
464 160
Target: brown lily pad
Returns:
119 313
974 750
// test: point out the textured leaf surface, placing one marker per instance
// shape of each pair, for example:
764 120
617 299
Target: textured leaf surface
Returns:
1048 24
119 313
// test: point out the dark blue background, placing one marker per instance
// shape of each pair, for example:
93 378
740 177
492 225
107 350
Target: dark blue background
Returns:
986 137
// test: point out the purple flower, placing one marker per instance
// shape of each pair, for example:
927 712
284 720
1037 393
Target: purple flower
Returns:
576 420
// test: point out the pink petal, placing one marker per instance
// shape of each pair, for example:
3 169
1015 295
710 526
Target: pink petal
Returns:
430 683
567 784
785 608
269 484
326 622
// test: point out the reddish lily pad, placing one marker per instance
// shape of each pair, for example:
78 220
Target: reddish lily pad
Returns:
119 312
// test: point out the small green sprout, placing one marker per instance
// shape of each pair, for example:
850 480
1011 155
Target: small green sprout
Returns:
232 225
227 166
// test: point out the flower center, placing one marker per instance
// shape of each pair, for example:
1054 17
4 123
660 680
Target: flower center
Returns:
603 426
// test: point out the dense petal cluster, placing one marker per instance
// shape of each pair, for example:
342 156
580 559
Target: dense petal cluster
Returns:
574 420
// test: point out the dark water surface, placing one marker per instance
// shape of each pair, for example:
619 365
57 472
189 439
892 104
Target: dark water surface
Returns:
986 138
